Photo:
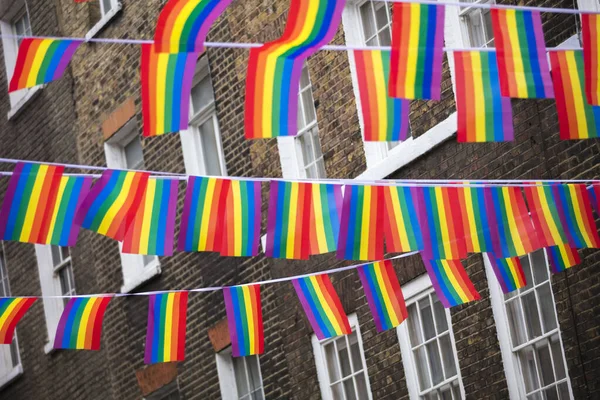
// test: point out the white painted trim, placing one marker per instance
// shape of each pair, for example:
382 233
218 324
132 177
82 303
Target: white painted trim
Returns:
411 149
226 374
29 95
50 286
16 372
141 276
117 7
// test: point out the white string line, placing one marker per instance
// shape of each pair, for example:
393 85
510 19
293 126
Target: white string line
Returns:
242 45
492 5
215 288
381 182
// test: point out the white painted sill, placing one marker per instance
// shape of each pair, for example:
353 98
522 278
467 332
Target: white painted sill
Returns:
14 374
149 272
32 93
103 21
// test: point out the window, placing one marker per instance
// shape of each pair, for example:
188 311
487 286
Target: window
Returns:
55 268
10 359
108 10
124 151
107 6
239 377
427 345
168 392
476 25
201 142
341 365
529 334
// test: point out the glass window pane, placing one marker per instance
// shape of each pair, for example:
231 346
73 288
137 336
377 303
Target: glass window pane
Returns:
489 32
332 366
147 260
372 42
311 171
563 390
422 368
240 376
551 393
435 362
448 356
355 350
106 5
361 386
527 271
381 15
65 252
309 106
301 122
304 78
557 356
134 156
316 143
202 94
545 363
414 330
320 168
258 395
337 391
441 322
349 388
515 322
473 21
384 38
427 318
14 352
254 372
547 307
446 393
528 369
344 357
535 396
210 148
540 269
368 22
456 390
56 259
532 318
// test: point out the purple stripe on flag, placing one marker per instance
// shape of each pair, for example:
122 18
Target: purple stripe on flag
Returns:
8 198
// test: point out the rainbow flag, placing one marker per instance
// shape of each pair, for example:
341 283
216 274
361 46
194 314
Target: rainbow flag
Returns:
401 223
80 325
562 257
522 62
111 205
441 222
384 118
590 29
383 293
244 319
545 214
166 89
361 230
241 227
576 118
575 213
27 209
325 215
41 61
288 222
182 25
474 219
417 50
153 227
511 228
165 336
322 306
274 69
594 192
203 213
509 272
450 281
12 309
483 114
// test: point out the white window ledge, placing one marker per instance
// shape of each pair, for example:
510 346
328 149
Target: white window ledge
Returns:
14 374
150 271
103 21
411 149
49 347
25 100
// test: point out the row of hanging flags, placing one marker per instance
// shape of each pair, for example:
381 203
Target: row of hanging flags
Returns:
387 80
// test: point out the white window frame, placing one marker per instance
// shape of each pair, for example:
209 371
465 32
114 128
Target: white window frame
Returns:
191 144
105 18
320 360
226 373
8 372
135 271
516 385
414 291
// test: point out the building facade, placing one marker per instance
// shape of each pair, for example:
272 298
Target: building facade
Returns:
542 342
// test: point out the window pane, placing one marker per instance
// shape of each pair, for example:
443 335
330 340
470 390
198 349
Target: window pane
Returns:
147 260
563 390
528 369
456 390
557 356
527 271
106 5
435 362
427 318
56 259
473 21
210 148
134 155
202 94
448 356
64 251
307 149
381 15
532 318
535 396
316 143
332 366
446 393
254 372
551 393
368 22
301 122
349 388
361 385
336 391
540 269
320 168
304 78
414 331
344 357
489 32
547 307
384 38
515 322
240 376
309 106
441 321
545 364
422 368
355 350
258 395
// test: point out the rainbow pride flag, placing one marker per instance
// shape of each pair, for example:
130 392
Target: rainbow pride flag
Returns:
12 309
274 69
322 306
80 325
594 192
575 212
41 61
325 216
474 219
562 257
182 25
383 293
401 223
417 50
244 319
522 62
203 213
590 29
361 230
450 281
441 222
384 118
483 114
111 205
576 118
241 227
153 227
288 222
545 214
166 90
165 336
509 272
511 228
27 209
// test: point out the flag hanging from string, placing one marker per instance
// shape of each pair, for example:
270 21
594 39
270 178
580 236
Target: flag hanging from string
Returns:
476 227
165 335
401 223
12 309
451 282
325 216
241 225
590 29
244 319
509 272
80 325
562 257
